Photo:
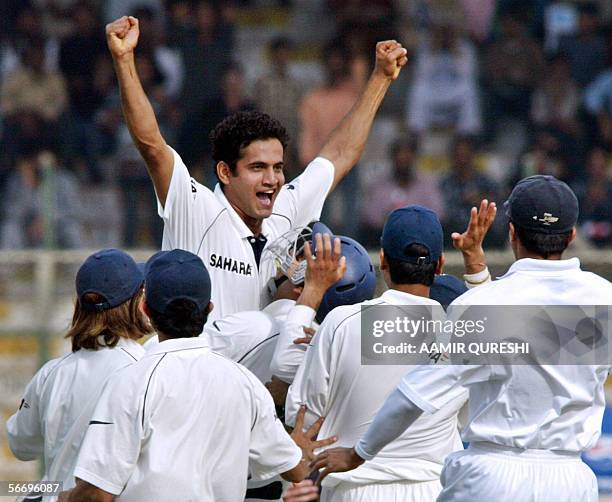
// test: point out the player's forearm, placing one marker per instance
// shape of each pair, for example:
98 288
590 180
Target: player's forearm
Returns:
347 141
138 112
298 473
395 416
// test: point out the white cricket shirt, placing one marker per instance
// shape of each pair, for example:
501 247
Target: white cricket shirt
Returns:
203 222
529 407
58 404
184 423
333 383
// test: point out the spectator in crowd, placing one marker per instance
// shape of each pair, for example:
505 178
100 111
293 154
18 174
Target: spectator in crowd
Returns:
405 184
79 135
168 60
598 105
321 110
444 93
41 204
27 27
464 188
543 156
205 45
513 66
278 94
595 196
202 120
586 50
31 87
556 99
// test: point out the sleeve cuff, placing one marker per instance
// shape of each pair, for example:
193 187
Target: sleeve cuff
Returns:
473 280
361 452
94 479
413 396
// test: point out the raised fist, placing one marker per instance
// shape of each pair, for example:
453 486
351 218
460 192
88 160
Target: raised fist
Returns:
390 58
122 36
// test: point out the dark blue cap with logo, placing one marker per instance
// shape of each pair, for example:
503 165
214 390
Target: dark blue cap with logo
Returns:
542 204
176 275
446 288
111 274
412 225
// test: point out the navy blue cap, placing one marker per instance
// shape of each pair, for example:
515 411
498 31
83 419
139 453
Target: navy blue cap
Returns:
412 225
446 288
110 273
174 275
542 204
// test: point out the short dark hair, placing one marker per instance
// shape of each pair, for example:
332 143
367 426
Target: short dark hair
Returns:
410 273
544 245
181 319
239 130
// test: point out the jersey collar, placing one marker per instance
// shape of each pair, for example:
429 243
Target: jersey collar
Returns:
395 297
198 342
239 225
543 266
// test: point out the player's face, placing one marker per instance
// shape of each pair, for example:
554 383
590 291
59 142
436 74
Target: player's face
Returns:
258 179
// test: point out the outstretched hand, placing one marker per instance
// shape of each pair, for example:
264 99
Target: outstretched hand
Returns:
306 440
391 57
122 36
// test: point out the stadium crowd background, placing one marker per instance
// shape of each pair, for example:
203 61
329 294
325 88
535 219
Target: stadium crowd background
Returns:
495 91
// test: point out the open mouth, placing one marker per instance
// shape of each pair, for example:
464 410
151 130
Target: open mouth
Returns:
265 198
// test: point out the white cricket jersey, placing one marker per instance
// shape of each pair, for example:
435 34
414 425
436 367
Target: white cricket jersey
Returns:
249 338
58 404
203 222
529 407
184 423
333 383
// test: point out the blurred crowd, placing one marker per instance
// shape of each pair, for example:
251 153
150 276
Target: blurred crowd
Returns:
494 91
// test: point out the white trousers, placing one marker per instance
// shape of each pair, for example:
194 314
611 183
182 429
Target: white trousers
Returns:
491 473
399 491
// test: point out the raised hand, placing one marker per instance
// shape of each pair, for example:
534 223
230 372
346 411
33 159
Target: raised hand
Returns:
391 57
329 265
470 241
307 440
122 36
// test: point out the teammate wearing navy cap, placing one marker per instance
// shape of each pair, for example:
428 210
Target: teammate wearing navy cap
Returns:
251 205
528 424
59 401
333 383
184 423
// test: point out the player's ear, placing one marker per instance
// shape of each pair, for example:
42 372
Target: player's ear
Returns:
209 308
511 232
440 265
572 235
224 172
145 308
383 262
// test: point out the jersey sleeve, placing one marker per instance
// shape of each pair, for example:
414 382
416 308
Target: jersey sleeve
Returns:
113 439
24 428
189 210
301 201
271 451
312 381
288 355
